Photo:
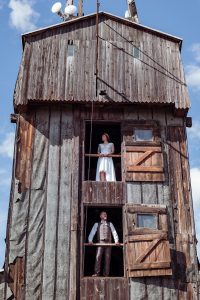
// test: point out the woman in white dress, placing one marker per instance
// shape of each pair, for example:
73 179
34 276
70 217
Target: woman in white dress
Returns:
105 167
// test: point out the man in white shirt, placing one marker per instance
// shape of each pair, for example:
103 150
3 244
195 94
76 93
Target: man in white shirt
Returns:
105 230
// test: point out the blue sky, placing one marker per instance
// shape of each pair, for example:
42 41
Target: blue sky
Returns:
18 16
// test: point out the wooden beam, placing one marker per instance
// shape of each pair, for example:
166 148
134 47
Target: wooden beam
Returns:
143 157
103 245
143 149
149 266
98 155
145 169
80 8
148 250
159 209
147 237
143 231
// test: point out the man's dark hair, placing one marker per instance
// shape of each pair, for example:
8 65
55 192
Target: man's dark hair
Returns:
103 211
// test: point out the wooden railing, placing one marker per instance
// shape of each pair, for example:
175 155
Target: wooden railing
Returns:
100 155
97 192
104 245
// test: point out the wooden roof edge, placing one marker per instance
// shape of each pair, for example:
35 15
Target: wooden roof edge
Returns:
117 18
178 111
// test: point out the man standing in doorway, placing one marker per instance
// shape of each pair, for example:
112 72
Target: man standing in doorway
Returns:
105 230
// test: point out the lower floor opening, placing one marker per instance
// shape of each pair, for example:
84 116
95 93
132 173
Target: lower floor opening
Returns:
94 138
90 262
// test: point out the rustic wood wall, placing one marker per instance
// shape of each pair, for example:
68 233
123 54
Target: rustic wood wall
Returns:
44 217
48 74
43 223
174 193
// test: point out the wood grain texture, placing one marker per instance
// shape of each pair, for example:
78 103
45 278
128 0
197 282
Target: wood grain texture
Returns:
47 74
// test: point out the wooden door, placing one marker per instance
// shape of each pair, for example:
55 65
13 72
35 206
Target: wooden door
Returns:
146 245
143 153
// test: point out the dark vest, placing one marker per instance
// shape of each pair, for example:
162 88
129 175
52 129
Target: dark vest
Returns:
104 232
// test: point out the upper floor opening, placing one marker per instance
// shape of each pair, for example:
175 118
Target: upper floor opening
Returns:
126 151
93 150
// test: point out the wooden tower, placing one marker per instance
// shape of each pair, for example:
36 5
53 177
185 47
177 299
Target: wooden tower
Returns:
78 79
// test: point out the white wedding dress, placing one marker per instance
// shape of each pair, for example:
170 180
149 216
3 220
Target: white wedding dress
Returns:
105 163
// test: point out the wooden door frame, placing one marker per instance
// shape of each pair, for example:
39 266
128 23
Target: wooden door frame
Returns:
82 237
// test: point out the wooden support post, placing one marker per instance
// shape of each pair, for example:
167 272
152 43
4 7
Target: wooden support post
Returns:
80 8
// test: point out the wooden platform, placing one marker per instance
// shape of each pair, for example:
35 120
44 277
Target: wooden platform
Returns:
107 288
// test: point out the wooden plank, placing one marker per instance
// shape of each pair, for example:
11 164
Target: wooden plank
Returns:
149 266
151 273
103 245
152 208
148 250
147 237
48 282
63 233
143 148
74 208
143 157
144 169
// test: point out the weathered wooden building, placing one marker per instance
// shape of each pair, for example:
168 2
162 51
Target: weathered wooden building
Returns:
72 86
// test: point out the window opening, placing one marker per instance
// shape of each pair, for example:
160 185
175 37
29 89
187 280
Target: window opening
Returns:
143 134
91 216
70 49
114 131
147 221
136 52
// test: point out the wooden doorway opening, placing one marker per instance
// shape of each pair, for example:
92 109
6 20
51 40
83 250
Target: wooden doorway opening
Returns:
98 128
92 216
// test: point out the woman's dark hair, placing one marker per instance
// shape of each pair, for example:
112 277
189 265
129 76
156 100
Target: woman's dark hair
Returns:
107 136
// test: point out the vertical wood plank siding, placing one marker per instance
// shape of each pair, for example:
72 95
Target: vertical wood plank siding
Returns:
44 227
47 74
42 222
35 235
108 193
110 288
175 192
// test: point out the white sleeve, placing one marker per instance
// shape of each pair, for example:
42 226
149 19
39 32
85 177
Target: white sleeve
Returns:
114 233
92 232
99 148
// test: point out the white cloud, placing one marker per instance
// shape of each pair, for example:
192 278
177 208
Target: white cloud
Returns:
194 131
196 51
195 179
23 17
7 145
193 69
193 76
4 178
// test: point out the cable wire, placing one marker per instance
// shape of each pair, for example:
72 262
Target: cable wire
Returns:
148 56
